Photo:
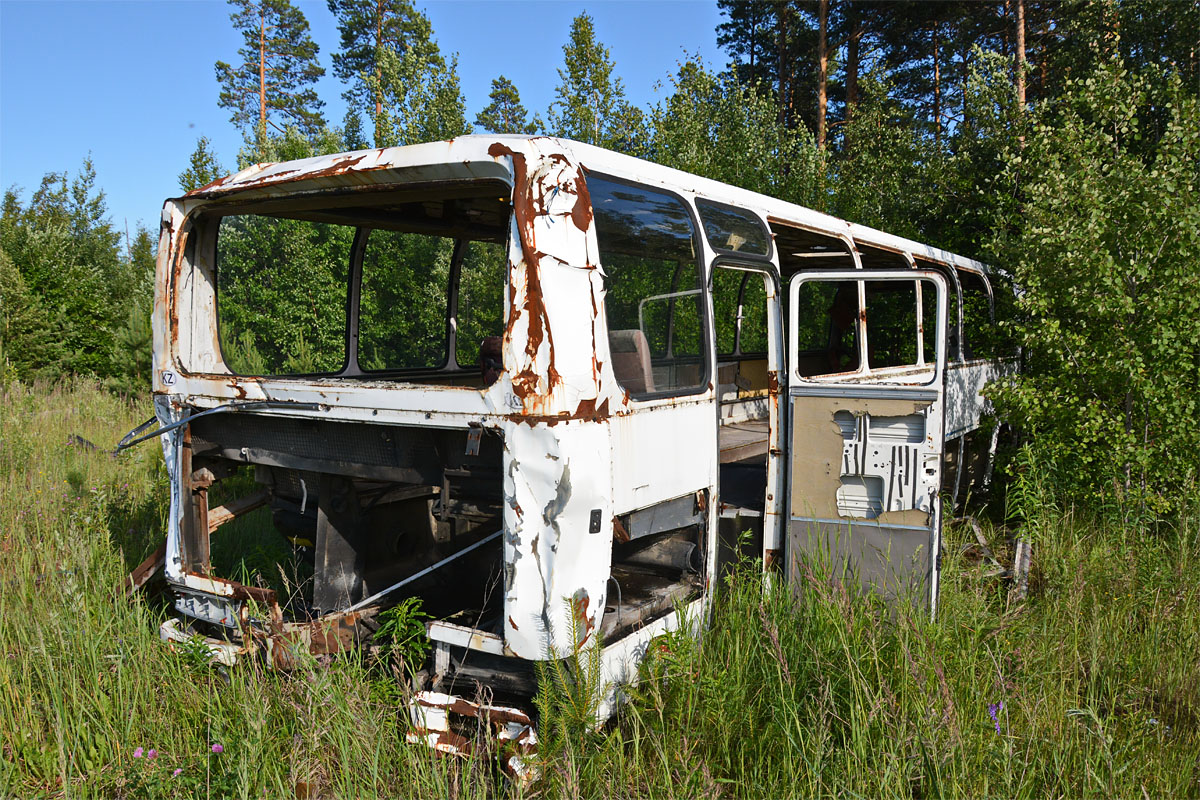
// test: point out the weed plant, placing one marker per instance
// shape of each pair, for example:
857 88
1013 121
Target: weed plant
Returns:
1089 688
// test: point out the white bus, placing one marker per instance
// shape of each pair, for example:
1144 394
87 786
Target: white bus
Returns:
537 384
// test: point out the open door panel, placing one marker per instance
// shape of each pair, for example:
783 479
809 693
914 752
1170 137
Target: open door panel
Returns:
867 359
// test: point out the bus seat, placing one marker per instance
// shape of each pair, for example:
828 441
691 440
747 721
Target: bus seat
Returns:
631 360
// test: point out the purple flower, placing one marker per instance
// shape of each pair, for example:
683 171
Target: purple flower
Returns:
137 753
152 754
178 770
216 748
993 710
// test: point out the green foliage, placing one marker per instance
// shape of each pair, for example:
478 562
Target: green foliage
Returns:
1105 256
273 83
569 690
30 344
714 126
505 114
368 28
590 104
72 286
421 100
402 632
282 287
887 175
203 167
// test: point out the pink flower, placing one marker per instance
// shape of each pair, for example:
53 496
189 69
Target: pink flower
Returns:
216 748
178 770
137 753
152 754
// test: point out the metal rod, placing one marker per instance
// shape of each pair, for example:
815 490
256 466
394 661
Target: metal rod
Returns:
253 405
368 601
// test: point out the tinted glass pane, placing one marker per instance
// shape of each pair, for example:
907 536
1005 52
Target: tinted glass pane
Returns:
403 304
753 335
735 229
826 333
480 300
740 308
654 301
281 294
727 284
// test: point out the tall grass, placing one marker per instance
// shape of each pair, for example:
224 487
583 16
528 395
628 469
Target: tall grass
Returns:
1094 681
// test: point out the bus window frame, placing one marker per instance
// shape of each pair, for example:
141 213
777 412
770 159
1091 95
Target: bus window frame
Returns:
708 329
725 251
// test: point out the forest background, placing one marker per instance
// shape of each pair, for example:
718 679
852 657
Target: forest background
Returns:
1057 141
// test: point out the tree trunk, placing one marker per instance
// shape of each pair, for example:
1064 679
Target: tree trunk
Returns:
378 69
822 66
262 65
937 84
856 32
1020 59
781 65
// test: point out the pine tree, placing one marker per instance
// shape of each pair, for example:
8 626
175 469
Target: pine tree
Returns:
68 257
369 29
203 167
505 114
272 86
591 105
421 97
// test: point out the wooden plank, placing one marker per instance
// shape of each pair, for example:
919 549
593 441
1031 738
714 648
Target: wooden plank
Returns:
743 440
221 514
217 517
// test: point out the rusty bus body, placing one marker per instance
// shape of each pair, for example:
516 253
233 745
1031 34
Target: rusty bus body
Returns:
671 362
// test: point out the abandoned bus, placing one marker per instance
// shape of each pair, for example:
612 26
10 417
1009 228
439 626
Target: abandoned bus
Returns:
537 384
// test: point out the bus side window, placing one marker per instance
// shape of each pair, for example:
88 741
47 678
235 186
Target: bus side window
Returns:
979 339
826 329
654 295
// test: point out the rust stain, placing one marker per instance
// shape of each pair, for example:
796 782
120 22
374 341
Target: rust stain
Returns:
336 168
526 209
587 411
770 558
581 212
513 623
579 606
239 389
773 382
208 187
620 533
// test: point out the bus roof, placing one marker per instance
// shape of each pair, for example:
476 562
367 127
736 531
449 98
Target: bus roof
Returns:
468 157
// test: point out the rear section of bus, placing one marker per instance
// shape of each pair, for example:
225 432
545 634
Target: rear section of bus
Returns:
387 375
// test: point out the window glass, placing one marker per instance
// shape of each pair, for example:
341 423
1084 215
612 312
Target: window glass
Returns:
281 294
826 329
654 300
403 305
740 310
480 302
752 337
736 229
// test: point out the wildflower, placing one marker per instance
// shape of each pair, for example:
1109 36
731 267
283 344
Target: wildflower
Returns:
178 770
216 748
137 753
152 754
993 710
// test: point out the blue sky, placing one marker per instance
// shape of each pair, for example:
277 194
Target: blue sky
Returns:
132 82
